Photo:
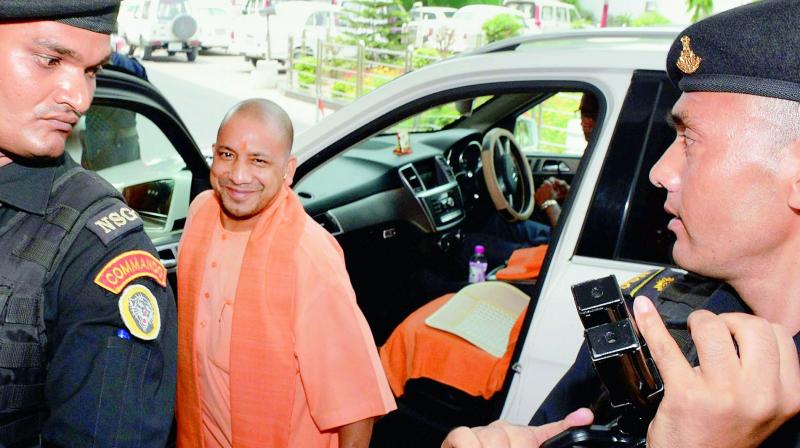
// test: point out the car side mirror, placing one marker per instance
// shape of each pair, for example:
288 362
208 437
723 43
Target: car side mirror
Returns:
464 107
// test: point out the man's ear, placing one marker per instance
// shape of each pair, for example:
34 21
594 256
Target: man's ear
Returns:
291 167
794 193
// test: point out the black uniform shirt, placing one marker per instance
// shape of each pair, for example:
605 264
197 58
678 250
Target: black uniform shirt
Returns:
102 389
581 386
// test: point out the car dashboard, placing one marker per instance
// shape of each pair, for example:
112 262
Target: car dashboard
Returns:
432 187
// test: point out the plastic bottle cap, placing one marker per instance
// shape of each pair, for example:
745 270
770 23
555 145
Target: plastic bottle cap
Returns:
479 249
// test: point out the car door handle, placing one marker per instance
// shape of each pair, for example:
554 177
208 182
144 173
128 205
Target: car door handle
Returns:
168 253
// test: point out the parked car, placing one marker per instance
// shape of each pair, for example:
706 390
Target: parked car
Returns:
214 26
545 15
467 25
263 32
403 219
149 25
424 22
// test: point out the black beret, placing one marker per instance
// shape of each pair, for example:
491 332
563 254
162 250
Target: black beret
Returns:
94 15
753 49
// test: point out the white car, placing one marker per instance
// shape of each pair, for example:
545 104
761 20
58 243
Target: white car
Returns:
424 22
467 25
150 25
404 219
263 32
545 15
214 26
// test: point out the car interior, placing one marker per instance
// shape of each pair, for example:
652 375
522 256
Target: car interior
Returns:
409 202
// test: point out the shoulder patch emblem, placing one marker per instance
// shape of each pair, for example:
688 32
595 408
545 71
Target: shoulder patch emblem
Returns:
113 222
139 310
129 266
662 283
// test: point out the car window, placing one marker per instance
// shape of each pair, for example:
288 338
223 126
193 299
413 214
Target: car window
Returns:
627 220
562 15
449 14
552 126
145 11
524 8
414 15
133 154
547 13
429 16
312 20
435 118
169 9
324 18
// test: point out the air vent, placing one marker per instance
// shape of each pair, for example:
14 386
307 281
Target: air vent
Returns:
329 223
411 178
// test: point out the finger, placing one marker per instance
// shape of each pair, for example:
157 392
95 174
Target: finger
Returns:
461 437
758 345
580 417
715 349
790 365
494 435
668 357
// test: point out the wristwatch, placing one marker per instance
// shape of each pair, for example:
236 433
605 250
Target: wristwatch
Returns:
548 203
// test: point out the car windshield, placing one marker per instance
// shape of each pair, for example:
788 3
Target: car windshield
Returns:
438 117
449 14
169 9
525 8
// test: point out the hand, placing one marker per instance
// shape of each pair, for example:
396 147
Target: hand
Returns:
500 434
545 192
729 400
560 187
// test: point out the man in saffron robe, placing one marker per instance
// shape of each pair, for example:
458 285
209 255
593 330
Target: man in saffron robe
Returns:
273 350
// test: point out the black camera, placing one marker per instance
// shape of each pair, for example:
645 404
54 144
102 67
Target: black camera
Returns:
623 363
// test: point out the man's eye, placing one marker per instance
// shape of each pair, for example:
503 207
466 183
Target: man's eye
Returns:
48 61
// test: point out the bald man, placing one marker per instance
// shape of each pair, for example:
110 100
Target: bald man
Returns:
273 350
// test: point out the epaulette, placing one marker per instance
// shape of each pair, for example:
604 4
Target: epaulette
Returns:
675 295
634 284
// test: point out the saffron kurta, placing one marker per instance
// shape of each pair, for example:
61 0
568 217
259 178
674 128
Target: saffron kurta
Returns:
335 374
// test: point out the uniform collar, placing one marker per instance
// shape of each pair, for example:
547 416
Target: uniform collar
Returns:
726 300
26 187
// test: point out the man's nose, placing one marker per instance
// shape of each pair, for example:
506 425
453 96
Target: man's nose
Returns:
240 174
666 171
75 90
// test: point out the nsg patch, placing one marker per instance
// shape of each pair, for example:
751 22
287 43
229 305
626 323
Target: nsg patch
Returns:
139 310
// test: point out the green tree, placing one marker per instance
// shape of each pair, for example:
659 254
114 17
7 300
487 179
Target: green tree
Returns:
378 23
502 26
699 8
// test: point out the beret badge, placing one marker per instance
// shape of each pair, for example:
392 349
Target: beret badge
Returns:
688 61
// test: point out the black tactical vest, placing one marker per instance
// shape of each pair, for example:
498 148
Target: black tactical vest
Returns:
31 249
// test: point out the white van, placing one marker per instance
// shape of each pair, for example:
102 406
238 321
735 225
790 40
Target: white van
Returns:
545 15
262 32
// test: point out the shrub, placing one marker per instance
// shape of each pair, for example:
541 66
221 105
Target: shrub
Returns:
306 69
343 90
651 18
502 26
423 57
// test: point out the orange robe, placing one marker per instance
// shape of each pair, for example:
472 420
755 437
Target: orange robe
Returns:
302 359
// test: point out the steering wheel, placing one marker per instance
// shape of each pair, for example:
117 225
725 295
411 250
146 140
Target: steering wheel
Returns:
507 175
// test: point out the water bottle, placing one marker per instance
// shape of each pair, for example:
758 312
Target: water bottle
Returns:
477 265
